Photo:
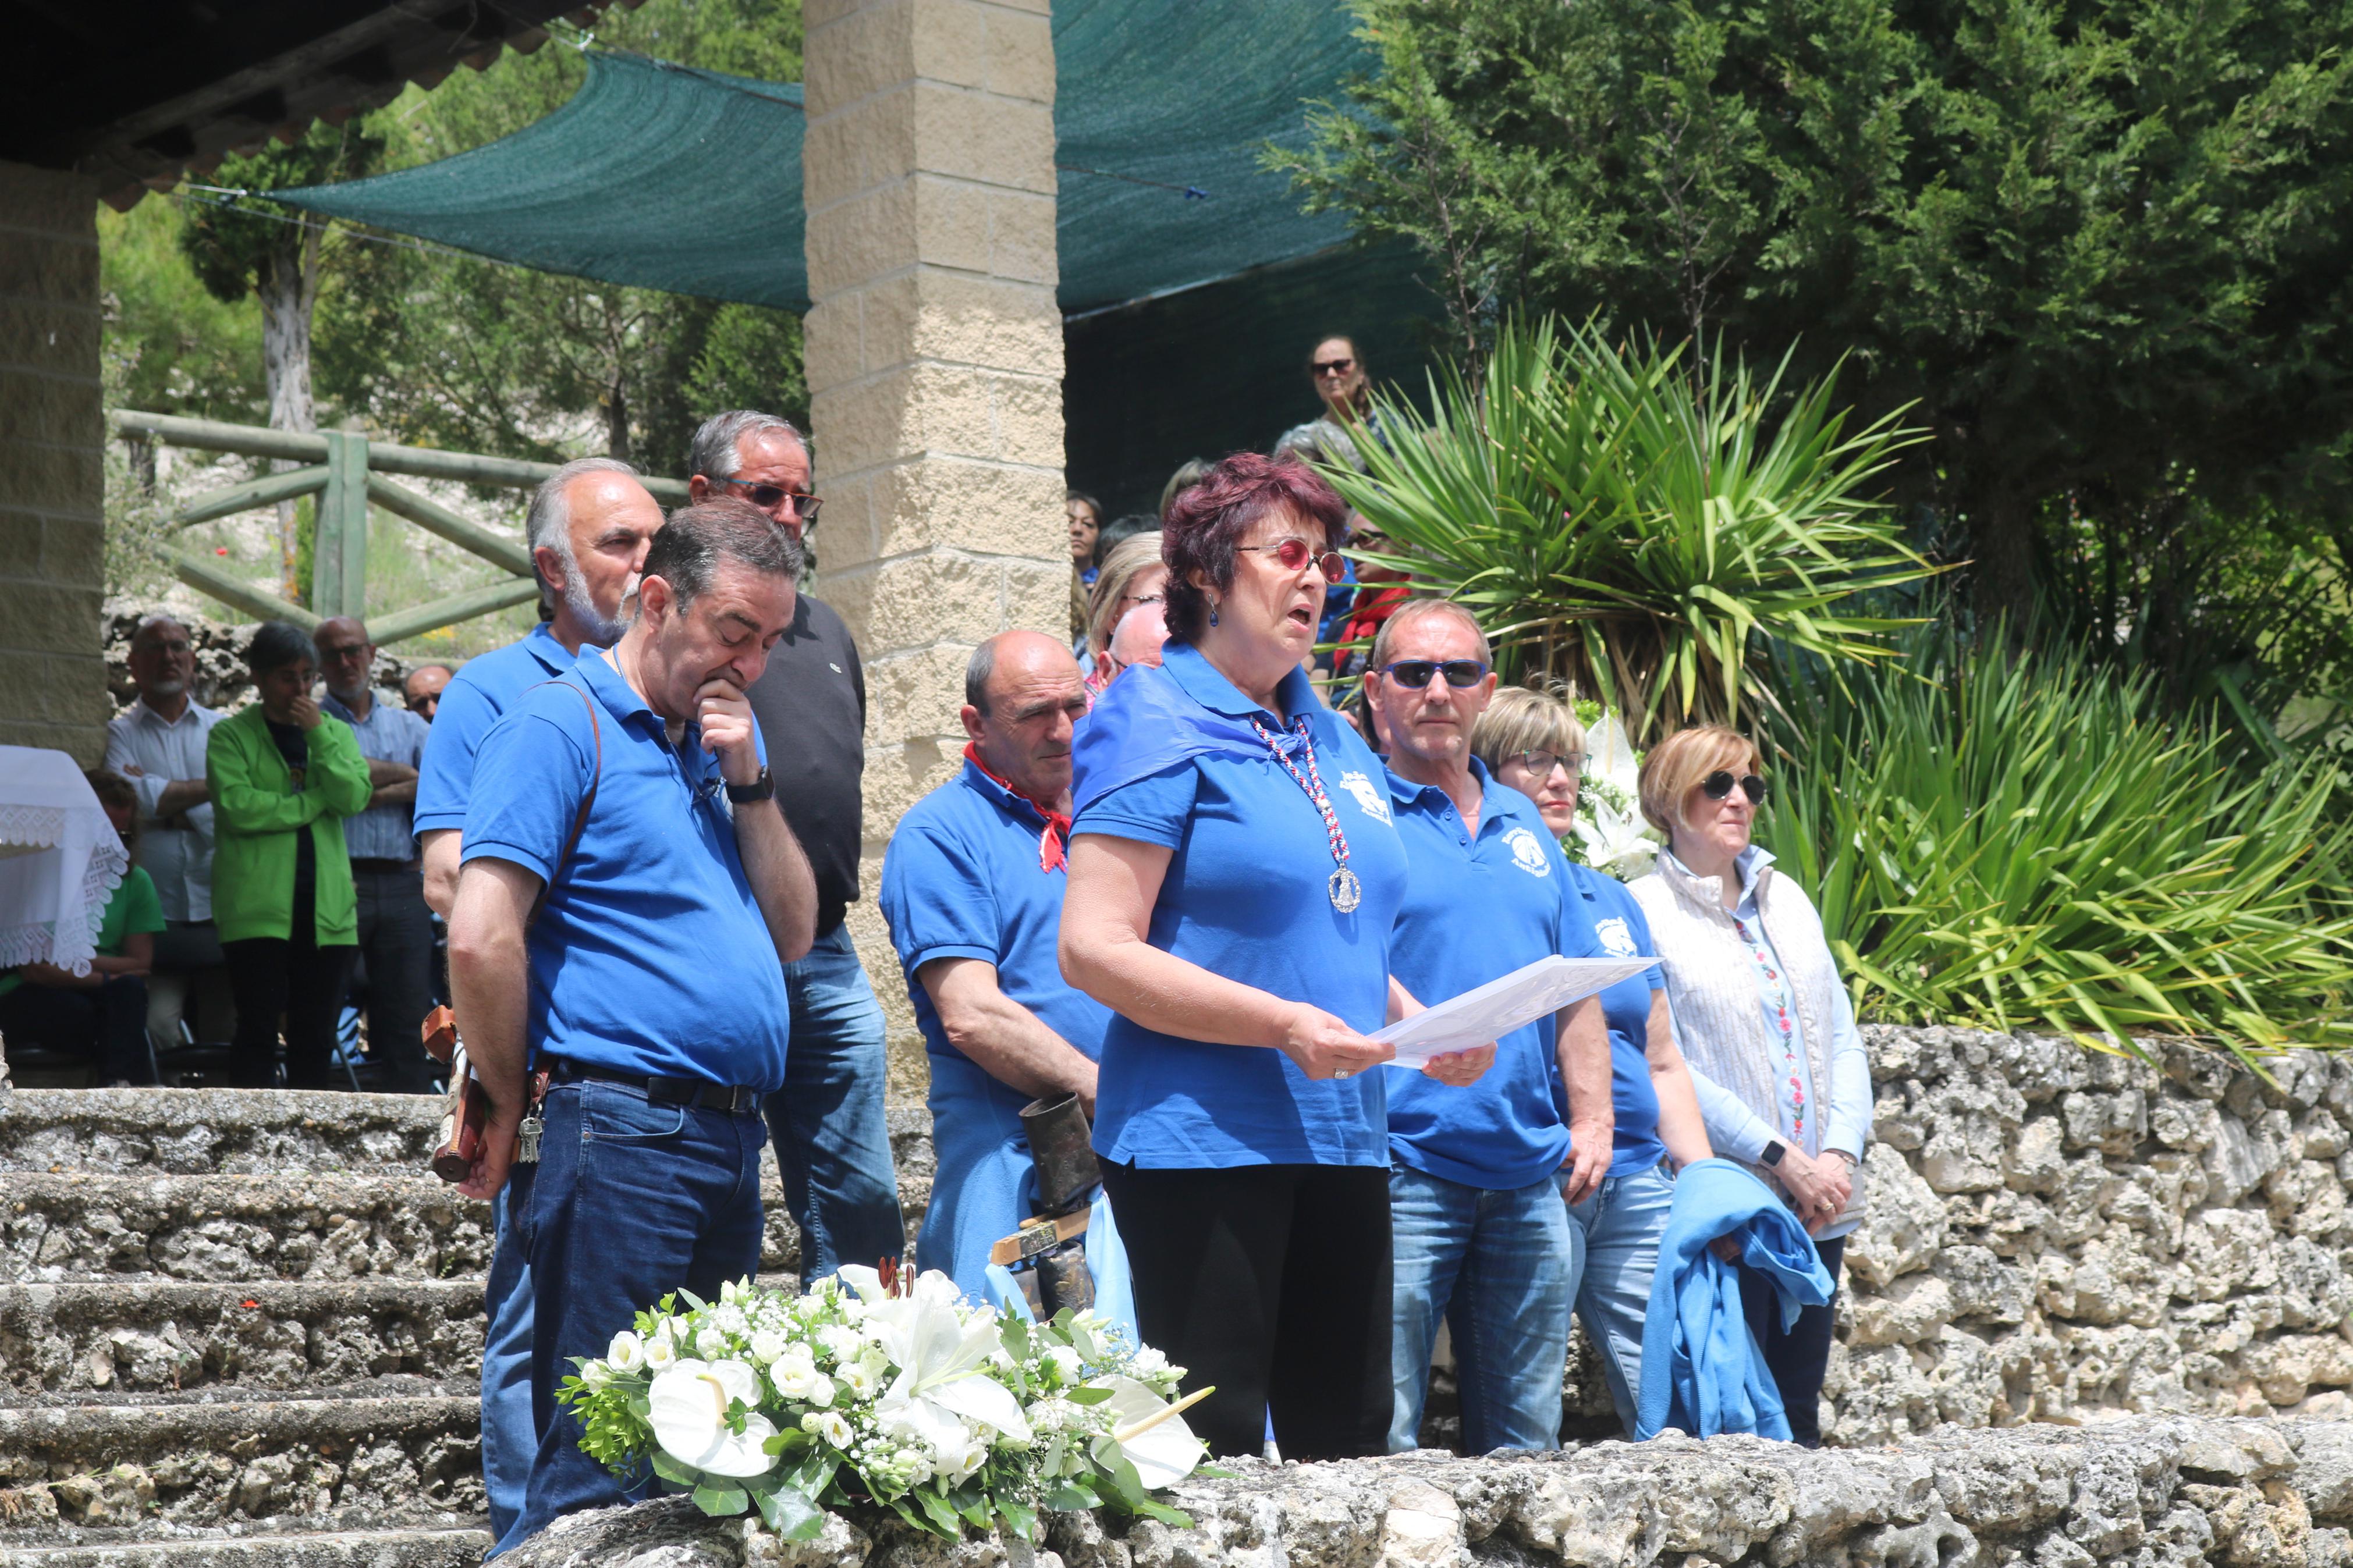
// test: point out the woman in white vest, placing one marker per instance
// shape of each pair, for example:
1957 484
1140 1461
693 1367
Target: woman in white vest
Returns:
1765 1022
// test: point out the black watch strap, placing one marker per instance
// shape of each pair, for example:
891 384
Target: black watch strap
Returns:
762 788
1774 1150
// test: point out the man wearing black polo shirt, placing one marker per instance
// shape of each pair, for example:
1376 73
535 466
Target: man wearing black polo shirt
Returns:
833 1145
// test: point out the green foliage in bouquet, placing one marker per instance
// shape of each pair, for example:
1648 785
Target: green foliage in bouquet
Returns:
895 1395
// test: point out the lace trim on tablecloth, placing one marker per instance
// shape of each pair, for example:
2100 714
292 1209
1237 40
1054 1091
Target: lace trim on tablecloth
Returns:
41 826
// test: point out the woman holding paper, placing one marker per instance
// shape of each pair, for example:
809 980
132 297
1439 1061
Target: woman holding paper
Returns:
1533 742
1762 1013
1234 874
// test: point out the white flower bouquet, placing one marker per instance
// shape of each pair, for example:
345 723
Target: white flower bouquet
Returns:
889 1393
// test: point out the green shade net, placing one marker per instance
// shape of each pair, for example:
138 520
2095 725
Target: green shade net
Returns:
1157 99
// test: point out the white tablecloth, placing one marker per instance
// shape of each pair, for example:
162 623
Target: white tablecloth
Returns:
60 861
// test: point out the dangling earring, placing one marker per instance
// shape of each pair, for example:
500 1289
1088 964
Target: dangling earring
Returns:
1213 612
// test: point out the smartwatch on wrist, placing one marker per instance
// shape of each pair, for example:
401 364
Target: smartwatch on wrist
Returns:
1773 1152
762 788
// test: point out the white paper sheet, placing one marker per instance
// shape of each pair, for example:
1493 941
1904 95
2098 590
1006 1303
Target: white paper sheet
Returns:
1493 1010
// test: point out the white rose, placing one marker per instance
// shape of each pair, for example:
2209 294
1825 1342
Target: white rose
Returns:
597 1375
841 1342
766 1346
1066 1362
660 1355
626 1352
821 1392
1149 1362
829 1426
711 1344
861 1380
794 1373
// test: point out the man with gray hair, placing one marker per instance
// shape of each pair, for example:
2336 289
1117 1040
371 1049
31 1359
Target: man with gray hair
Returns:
590 525
833 1146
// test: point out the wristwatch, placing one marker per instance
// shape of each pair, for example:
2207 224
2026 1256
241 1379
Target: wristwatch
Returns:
1773 1152
762 788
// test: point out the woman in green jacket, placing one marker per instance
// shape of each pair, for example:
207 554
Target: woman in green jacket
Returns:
283 776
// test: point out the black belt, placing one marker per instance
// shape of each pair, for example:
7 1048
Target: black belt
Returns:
661 1090
381 863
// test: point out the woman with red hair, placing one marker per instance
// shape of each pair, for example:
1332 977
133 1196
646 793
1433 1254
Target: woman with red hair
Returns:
1234 875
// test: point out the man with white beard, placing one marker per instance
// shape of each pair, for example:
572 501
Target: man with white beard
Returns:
590 525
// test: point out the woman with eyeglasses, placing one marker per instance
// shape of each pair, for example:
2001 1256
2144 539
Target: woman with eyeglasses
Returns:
1763 1018
1234 876
1533 742
1132 574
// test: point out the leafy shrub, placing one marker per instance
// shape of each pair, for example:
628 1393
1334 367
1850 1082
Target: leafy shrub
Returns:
2026 841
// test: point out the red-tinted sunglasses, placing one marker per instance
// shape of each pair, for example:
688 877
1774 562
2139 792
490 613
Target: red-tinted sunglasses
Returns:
1293 554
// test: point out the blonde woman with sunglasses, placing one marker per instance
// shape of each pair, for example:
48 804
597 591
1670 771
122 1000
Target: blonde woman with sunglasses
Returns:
1762 1016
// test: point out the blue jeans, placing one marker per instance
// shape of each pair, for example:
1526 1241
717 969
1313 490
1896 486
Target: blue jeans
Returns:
833 1144
1503 1268
630 1201
1620 1223
510 1430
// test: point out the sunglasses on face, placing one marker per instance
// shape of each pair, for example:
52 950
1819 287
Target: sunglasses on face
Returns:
1413 674
1333 366
1293 554
766 497
1540 765
1718 785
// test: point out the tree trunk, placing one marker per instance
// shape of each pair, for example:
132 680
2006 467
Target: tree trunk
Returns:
2003 581
288 290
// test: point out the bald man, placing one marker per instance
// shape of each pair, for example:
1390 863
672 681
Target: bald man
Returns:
1136 640
972 885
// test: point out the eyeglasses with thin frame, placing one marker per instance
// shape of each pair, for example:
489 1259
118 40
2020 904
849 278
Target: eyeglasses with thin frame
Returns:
1414 674
1293 554
1540 763
1718 785
765 498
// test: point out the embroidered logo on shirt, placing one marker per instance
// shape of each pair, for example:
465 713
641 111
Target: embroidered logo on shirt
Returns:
1616 941
1527 853
1368 794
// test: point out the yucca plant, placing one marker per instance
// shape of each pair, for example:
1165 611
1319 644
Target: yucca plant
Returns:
1645 529
2023 840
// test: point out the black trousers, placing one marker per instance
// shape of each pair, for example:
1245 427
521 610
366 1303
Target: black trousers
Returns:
1272 1282
1798 1358
107 1024
297 978
396 953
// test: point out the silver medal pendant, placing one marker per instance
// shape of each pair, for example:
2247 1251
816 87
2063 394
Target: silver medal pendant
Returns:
1347 891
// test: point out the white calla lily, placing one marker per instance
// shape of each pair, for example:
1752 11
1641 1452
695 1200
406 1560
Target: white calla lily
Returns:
687 1407
1164 1453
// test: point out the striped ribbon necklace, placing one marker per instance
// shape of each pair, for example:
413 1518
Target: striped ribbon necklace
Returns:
1345 891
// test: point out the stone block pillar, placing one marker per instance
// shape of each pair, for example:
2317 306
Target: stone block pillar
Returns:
52 479
934 359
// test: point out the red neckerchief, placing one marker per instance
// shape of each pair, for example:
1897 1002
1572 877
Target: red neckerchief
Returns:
1058 823
1374 603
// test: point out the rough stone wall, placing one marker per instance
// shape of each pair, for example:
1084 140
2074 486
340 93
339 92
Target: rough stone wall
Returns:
2060 1235
52 474
2141 1492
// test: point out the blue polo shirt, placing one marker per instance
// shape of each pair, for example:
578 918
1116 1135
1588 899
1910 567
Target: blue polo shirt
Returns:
1621 929
1245 897
963 879
471 704
1477 907
651 956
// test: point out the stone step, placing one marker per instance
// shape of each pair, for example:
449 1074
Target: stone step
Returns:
97 1475
238 1229
61 1230
309 1549
148 1337
214 1131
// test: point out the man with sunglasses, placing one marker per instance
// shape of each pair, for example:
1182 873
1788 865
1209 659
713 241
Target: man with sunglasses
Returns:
1476 1174
833 1145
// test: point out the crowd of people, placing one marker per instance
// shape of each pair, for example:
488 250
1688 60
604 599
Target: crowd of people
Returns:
1187 868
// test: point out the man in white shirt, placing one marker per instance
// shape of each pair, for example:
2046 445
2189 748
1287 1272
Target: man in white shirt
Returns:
158 743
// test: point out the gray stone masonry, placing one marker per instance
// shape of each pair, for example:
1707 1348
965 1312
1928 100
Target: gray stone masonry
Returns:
2138 1493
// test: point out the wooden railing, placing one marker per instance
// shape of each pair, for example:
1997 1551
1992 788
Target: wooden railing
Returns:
346 471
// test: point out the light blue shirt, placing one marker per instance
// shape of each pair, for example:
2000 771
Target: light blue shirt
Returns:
1740 1132
471 704
388 735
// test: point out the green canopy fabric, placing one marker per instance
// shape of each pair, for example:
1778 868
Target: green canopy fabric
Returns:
1161 107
